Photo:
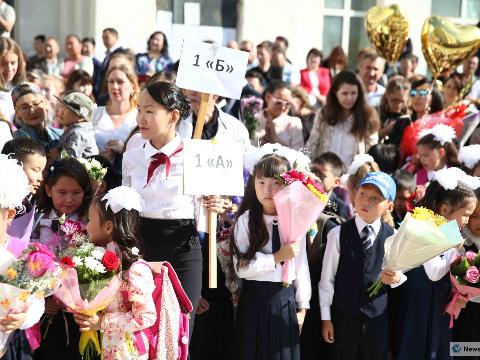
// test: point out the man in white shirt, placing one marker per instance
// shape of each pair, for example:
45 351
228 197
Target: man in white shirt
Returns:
370 70
7 19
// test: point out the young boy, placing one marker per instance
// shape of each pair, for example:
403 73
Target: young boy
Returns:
329 168
14 187
406 186
78 140
31 155
353 322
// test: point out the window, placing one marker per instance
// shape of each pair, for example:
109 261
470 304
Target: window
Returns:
461 11
343 24
212 12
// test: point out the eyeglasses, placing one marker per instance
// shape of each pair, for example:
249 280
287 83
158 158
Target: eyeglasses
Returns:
421 92
24 108
280 102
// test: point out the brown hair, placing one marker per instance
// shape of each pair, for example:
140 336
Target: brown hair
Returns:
337 56
365 118
395 84
130 73
8 45
451 152
359 175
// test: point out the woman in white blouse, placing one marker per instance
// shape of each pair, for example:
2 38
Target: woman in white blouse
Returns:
114 122
274 123
347 125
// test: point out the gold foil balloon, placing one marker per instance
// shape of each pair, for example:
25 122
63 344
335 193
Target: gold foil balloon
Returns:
387 30
445 44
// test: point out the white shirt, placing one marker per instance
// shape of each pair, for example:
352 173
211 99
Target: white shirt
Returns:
313 75
45 224
288 129
8 14
326 285
374 98
106 131
6 105
263 268
439 266
5 134
343 142
163 196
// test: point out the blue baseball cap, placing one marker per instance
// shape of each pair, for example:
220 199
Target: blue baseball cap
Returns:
383 182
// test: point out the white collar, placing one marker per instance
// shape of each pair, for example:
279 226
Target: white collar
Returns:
168 149
360 223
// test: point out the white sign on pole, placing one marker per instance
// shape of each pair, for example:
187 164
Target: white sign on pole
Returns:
212 69
212 169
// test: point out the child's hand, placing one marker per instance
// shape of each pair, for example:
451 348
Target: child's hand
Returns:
12 322
462 301
286 252
301 318
51 306
88 323
214 203
327 331
203 306
390 277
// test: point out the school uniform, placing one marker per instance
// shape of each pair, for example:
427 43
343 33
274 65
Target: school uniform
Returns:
167 221
352 263
467 327
266 321
420 328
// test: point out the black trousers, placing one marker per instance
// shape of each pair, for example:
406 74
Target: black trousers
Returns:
359 337
18 347
176 241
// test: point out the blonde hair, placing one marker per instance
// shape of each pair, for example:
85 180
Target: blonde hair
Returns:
8 45
355 178
130 74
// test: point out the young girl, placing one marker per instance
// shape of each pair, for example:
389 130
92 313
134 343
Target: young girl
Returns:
469 157
466 327
269 315
419 325
393 107
116 218
435 151
67 191
14 188
346 125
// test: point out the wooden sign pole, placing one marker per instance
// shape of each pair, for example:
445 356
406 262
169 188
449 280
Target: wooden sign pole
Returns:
212 216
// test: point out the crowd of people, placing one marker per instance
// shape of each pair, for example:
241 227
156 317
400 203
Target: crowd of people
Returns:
364 131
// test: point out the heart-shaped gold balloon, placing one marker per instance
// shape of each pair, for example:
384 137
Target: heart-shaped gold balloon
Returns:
445 44
387 30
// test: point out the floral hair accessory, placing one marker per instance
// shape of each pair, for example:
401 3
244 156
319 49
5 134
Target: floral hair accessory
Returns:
449 178
123 197
469 155
14 185
358 161
253 155
441 133
135 251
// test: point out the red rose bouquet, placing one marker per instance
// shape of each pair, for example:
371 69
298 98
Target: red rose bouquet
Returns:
465 278
91 282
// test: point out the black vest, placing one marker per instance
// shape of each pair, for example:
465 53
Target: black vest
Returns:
357 271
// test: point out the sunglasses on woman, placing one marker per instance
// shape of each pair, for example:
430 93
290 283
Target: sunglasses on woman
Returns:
421 92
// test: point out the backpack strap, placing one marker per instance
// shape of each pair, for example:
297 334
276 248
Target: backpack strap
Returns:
184 301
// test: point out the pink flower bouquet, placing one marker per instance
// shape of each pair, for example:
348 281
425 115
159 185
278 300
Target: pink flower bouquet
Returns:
91 282
465 277
298 206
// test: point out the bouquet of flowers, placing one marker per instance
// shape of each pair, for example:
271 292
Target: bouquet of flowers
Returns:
465 277
70 234
421 236
94 169
298 206
91 282
250 106
36 273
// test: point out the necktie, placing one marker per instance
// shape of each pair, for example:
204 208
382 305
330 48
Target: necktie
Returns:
160 159
55 225
275 238
366 236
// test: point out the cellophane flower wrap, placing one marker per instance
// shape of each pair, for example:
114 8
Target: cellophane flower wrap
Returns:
35 273
422 236
298 206
70 234
91 282
465 277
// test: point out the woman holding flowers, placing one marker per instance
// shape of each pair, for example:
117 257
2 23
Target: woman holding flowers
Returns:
420 328
116 218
